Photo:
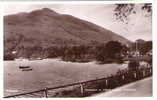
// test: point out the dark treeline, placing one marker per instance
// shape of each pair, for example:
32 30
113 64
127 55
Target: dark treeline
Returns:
142 46
112 51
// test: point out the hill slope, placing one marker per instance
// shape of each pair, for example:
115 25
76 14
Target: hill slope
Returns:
45 27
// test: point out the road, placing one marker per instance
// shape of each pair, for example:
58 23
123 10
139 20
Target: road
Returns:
142 88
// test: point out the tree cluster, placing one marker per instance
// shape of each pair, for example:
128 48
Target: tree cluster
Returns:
107 52
142 46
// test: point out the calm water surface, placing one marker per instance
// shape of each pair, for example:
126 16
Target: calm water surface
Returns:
50 73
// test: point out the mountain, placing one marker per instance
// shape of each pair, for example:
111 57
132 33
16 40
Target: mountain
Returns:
45 27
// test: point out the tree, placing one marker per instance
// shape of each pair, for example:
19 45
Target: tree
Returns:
123 11
110 52
133 65
125 50
142 46
113 49
146 47
9 56
100 53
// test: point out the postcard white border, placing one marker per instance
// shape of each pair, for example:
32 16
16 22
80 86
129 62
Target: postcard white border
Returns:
2 5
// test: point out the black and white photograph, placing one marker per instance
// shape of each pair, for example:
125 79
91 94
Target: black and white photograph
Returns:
77 50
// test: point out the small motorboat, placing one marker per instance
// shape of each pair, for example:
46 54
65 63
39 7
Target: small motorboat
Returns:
24 67
28 69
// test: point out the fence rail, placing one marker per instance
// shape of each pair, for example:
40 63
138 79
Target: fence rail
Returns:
122 77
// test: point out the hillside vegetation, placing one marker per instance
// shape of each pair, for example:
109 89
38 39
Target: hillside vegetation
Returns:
36 33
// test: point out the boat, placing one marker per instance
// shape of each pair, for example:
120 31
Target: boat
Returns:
28 69
24 67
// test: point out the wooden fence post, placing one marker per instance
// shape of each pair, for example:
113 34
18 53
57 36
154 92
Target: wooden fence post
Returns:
123 77
150 70
45 93
143 73
106 81
82 89
135 75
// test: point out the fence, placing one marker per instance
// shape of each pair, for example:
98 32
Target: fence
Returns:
87 88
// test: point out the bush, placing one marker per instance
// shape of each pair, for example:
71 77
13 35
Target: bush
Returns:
133 65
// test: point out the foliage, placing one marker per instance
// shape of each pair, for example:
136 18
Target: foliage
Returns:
133 65
123 11
8 56
110 52
142 46
146 47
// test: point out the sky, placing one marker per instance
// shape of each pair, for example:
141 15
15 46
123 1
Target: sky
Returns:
138 27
